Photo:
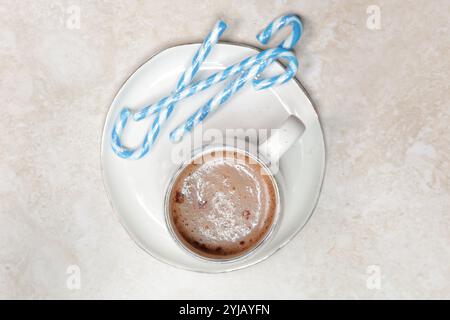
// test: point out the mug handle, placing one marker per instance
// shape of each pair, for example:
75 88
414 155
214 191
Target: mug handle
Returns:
282 139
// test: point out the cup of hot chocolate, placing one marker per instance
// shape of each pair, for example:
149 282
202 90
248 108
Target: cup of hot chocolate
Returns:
224 202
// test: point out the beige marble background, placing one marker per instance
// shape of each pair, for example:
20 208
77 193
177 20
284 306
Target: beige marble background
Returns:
383 98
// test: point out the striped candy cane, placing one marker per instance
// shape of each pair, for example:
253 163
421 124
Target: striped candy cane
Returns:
185 79
288 20
234 86
246 70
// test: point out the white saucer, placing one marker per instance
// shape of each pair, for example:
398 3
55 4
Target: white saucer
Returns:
136 188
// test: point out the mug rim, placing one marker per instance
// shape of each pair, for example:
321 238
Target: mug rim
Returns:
169 188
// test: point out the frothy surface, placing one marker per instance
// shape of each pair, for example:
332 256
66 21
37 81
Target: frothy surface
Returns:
222 205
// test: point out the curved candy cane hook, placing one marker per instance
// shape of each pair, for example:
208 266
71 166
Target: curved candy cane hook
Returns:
288 74
289 43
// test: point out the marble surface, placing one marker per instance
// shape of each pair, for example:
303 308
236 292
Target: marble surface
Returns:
382 225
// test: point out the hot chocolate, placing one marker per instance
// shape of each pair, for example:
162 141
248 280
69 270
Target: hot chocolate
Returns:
223 204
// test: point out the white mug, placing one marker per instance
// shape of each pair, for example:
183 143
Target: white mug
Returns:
267 154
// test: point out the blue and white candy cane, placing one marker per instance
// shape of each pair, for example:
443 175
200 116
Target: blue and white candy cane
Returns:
263 37
278 24
185 79
223 96
246 69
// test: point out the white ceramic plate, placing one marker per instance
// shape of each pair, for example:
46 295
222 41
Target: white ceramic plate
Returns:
137 188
